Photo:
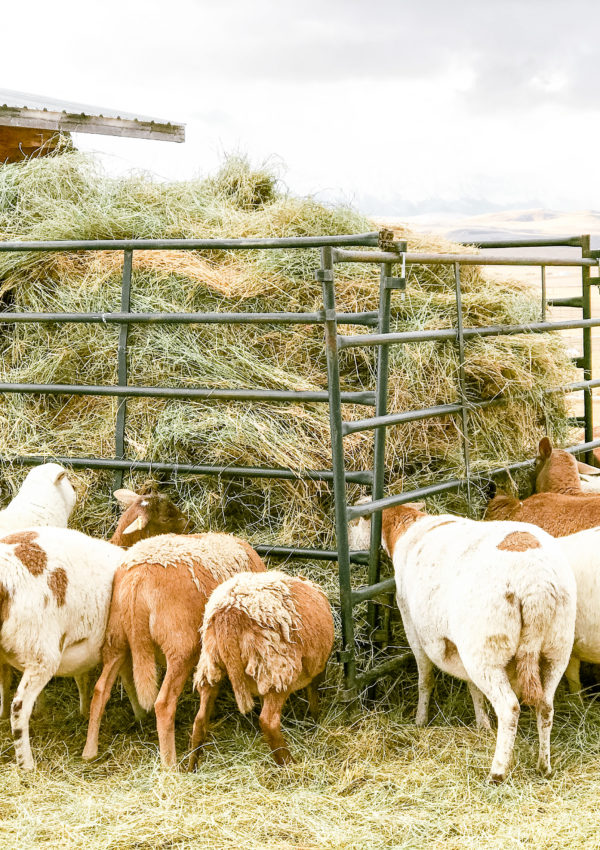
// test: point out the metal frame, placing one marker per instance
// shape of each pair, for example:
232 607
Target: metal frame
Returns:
333 251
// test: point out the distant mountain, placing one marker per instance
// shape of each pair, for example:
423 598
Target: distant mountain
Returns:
505 224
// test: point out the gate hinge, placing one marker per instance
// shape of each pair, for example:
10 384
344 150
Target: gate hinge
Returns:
344 655
395 283
324 275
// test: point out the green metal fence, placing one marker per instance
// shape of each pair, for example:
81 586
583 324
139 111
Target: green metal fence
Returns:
391 256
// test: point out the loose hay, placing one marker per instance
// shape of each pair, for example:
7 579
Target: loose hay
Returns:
67 197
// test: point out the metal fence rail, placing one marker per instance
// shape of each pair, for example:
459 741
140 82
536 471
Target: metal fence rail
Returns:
334 250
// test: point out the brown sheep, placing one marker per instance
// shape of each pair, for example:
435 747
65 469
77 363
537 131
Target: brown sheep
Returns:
271 634
558 513
146 515
557 471
157 607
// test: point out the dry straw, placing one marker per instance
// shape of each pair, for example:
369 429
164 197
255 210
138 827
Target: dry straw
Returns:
67 197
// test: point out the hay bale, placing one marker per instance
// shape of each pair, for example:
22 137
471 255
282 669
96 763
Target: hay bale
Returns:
67 197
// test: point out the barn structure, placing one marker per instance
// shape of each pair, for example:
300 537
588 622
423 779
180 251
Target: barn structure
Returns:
32 125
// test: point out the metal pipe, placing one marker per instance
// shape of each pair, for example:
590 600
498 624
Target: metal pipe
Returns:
354 511
377 422
191 393
191 244
364 340
363 594
191 468
342 256
460 339
309 554
122 366
326 274
566 242
544 299
379 440
586 297
368 318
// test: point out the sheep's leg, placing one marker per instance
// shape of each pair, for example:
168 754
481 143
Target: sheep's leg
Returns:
165 706
5 683
481 716
312 693
102 691
572 675
208 695
83 687
270 724
126 673
32 683
424 666
551 676
495 685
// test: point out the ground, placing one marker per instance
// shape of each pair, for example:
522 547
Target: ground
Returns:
364 778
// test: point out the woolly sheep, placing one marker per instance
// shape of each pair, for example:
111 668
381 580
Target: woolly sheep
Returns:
55 588
271 634
159 596
485 602
46 497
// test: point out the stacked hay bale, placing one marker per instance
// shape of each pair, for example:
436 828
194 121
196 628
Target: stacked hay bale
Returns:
67 197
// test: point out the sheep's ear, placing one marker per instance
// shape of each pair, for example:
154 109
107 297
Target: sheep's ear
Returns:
586 469
137 525
60 475
125 497
418 506
545 448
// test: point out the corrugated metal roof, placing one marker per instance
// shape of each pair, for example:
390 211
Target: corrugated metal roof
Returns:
25 100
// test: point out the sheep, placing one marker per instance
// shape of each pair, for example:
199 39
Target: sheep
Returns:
46 497
55 588
491 603
146 515
558 471
159 596
149 514
271 634
582 552
565 510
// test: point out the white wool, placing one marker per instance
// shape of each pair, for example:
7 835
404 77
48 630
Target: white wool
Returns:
46 498
221 554
265 597
582 551
45 636
486 613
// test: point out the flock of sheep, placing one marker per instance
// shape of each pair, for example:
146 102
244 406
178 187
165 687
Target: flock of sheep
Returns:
509 605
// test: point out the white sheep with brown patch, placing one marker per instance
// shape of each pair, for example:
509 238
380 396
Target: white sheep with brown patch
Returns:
157 606
46 497
55 589
271 634
492 603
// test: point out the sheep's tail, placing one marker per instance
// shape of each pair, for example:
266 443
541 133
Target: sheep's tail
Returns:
535 612
221 653
142 650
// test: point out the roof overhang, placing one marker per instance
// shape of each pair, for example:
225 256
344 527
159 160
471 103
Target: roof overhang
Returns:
44 119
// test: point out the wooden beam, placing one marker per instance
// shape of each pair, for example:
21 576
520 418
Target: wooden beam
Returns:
42 119
18 143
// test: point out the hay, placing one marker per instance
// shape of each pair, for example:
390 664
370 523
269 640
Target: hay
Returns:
68 197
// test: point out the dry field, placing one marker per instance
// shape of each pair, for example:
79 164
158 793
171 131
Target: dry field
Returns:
364 778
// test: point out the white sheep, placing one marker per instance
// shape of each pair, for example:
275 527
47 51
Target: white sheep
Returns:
489 603
582 551
55 590
46 497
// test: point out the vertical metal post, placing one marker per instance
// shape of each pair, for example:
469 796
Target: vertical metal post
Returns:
122 366
383 327
326 276
588 407
543 293
461 380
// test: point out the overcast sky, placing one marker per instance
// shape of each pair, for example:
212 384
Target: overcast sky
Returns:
397 106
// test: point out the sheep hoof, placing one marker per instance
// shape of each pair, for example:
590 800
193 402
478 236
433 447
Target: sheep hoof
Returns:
283 757
496 778
89 754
